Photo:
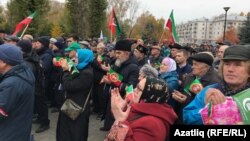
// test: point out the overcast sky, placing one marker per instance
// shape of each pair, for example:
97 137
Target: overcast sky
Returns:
185 10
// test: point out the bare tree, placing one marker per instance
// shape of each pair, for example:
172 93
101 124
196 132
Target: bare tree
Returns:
120 6
125 10
132 13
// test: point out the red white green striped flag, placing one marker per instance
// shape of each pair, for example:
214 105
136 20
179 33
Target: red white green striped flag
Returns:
113 24
23 23
129 93
114 77
171 26
57 61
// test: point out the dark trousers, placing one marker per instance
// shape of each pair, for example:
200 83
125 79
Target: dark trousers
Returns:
98 98
108 116
73 130
41 109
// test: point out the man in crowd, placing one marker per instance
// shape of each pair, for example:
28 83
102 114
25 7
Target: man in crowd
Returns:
220 53
73 38
125 65
140 53
17 87
183 68
45 55
155 57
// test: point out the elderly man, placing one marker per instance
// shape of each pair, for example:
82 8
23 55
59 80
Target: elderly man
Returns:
202 71
235 70
127 66
17 87
155 57
140 53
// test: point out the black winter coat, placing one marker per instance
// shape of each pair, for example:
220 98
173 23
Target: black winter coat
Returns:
130 72
76 89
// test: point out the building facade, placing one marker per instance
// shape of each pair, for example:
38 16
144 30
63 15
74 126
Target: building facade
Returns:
207 30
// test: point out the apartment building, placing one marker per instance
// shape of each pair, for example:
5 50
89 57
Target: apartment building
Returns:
207 30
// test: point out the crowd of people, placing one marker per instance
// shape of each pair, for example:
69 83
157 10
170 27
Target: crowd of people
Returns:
171 84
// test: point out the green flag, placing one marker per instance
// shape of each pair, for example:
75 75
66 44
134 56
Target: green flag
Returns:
113 24
129 92
72 68
242 100
194 87
171 26
114 77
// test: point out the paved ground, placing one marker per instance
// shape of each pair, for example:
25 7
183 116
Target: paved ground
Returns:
94 133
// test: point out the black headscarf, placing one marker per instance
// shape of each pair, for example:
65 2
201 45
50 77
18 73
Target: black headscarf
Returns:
155 91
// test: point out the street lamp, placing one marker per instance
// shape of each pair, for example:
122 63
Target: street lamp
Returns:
226 9
206 30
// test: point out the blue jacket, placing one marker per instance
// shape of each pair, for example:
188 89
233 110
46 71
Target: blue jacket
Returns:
17 87
191 114
171 78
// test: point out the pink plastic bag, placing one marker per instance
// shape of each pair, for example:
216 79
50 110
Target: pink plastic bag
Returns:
226 113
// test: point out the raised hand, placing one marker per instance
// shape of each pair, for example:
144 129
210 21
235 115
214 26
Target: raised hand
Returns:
119 106
215 96
64 64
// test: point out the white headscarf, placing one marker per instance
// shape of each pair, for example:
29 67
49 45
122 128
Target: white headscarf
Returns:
170 63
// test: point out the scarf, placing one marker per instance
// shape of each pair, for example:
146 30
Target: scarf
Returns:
228 92
155 91
170 63
85 56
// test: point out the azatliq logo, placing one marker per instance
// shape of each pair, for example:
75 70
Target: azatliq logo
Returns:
246 104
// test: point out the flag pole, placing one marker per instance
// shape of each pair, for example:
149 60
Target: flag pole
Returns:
111 36
24 31
162 35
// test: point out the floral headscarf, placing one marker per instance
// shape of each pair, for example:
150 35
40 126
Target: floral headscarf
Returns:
155 91
171 64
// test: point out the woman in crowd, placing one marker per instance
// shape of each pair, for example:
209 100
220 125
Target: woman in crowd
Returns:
235 71
169 74
147 71
77 88
147 118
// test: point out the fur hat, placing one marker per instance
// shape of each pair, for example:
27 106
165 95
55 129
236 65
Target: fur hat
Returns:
44 41
123 45
11 54
25 46
175 45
